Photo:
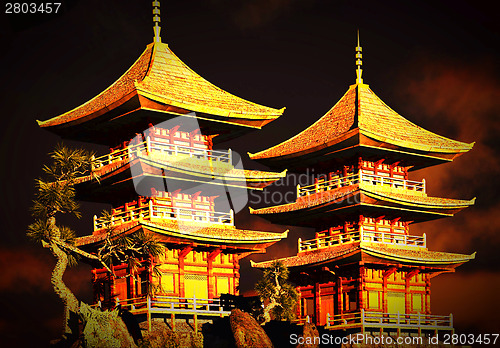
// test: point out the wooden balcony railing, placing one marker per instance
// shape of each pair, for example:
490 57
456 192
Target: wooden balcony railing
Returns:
379 320
352 179
362 236
169 305
157 211
157 147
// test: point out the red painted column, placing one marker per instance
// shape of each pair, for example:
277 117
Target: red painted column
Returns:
317 303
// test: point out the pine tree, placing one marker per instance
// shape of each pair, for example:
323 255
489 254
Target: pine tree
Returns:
56 196
279 297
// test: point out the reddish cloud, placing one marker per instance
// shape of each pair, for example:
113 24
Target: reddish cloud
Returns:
460 101
472 298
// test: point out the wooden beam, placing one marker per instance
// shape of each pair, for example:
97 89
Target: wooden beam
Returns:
390 271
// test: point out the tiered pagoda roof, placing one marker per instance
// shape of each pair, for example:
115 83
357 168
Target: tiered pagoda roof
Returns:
360 123
371 252
158 87
174 231
323 207
115 180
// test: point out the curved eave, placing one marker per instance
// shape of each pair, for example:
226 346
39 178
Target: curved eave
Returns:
374 120
415 256
336 124
412 256
416 201
313 258
379 121
318 208
206 174
195 232
408 145
158 70
185 177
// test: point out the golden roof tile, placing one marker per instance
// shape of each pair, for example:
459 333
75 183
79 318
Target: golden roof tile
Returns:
361 111
195 231
421 202
161 76
394 253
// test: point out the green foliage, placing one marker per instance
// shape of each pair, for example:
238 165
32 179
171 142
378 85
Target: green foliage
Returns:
274 287
56 194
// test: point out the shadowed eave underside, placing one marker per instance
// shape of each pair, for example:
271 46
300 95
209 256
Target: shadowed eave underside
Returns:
363 114
161 77
190 231
369 196
406 256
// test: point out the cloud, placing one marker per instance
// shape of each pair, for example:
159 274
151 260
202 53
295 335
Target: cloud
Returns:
253 14
28 270
459 100
472 300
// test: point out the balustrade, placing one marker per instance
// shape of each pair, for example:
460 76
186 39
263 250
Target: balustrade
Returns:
362 236
352 179
158 211
372 319
162 148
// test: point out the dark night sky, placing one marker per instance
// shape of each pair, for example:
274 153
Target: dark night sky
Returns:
434 63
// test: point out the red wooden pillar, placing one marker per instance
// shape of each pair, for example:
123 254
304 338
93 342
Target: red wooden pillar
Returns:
210 276
317 303
182 254
236 274
111 290
427 294
340 301
361 286
298 308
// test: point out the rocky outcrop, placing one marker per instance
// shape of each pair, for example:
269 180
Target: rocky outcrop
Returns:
247 332
311 336
103 329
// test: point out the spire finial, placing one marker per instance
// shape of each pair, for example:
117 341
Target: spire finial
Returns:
156 21
359 63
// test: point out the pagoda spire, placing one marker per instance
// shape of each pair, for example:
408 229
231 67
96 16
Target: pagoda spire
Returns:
156 21
359 63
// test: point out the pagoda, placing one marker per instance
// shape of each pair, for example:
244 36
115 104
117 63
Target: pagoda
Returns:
364 271
163 176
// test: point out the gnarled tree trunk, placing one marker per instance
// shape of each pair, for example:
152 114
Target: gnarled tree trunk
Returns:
69 300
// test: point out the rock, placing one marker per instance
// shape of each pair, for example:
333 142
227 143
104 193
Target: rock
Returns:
104 329
311 336
247 332
160 336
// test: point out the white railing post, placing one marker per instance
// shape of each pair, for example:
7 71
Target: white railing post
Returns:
451 319
230 155
362 316
423 185
425 240
398 318
299 242
151 212
194 301
231 213
418 318
308 319
327 319
148 145
95 223
298 190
